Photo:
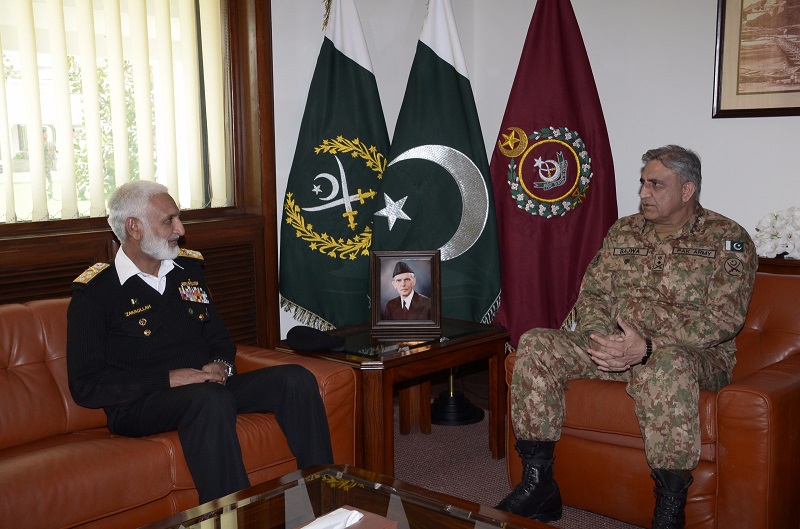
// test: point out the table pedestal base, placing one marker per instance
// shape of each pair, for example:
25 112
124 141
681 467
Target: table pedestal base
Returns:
454 409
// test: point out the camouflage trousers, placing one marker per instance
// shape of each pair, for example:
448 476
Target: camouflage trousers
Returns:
665 392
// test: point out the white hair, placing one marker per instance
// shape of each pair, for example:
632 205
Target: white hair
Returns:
131 200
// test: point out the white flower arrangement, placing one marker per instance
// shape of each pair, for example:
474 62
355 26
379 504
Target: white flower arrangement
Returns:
779 233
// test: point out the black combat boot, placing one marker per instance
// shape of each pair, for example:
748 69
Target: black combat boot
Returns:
537 495
670 499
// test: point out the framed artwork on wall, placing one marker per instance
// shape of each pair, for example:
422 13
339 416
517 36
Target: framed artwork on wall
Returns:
406 298
757 58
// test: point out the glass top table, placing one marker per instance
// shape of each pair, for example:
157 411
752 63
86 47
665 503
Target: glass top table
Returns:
300 497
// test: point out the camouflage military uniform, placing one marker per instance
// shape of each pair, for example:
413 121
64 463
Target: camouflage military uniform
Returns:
688 292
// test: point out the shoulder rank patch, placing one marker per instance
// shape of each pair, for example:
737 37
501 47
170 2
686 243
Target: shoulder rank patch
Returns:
192 254
91 272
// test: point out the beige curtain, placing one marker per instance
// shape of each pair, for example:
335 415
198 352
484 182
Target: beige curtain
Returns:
142 109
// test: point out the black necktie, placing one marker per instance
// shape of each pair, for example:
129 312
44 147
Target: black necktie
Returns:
405 310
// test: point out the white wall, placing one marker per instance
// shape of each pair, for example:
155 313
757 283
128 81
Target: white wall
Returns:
653 63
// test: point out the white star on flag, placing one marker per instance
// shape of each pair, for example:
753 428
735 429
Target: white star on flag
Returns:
393 210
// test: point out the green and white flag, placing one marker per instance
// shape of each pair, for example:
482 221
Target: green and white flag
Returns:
332 190
437 192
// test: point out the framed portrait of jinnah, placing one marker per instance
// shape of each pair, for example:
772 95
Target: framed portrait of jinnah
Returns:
405 294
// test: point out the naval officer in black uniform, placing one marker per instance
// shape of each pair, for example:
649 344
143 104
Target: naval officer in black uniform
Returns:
145 343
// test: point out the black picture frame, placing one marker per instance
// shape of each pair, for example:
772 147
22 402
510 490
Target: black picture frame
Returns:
385 300
757 64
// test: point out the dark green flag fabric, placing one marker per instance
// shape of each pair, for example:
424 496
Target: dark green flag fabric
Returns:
333 184
437 193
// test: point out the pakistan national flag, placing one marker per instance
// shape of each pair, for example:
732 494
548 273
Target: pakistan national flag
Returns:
331 195
437 193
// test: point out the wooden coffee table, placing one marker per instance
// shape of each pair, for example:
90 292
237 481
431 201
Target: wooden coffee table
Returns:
300 497
381 365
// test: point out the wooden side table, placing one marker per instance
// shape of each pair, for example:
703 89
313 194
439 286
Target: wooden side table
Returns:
381 365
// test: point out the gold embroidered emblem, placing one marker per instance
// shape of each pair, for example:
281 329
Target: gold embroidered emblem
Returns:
91 272
358 245
192 254
562 170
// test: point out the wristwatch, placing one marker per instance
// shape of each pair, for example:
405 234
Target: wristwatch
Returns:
230 369
648 350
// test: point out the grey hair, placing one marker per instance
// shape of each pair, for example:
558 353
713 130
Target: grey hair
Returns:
131 200
683 162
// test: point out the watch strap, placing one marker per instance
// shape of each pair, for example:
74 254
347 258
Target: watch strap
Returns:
230 369
648 350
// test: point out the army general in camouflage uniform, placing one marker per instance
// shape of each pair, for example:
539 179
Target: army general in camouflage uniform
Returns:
659 308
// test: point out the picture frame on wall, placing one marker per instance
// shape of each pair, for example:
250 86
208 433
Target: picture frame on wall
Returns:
757 59
394 275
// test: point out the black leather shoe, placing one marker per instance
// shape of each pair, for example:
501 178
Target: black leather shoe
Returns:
671 495
537 496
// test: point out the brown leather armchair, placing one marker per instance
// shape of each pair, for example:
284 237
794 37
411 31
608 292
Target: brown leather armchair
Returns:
749 470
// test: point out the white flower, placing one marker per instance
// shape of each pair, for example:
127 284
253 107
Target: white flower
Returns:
779 233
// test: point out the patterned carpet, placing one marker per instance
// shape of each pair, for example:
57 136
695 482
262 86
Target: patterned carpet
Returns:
456 460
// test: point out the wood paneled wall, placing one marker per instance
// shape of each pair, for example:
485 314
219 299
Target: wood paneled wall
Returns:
44 266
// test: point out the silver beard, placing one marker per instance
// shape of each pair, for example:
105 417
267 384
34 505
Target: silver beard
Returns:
158 248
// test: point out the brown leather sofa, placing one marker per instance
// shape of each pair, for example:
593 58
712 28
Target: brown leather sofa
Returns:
749 470
61 467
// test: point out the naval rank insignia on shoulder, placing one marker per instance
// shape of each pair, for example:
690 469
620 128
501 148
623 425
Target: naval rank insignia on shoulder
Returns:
91 272
192 254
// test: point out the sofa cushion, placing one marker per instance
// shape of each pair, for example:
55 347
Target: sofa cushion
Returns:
770 331
262 441
337 385
81 476
33 375
602 411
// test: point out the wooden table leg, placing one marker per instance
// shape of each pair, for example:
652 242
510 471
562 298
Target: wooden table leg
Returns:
425 407
415 408
378 446
497 402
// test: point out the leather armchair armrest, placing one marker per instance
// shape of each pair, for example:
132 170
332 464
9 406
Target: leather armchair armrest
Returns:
337 385
758 420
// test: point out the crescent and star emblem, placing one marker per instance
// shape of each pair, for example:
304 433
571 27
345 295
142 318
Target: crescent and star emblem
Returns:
513 144
346 199
393 210
553 173
471 184
559 157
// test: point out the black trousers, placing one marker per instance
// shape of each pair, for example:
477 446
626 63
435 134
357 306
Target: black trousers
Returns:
205 417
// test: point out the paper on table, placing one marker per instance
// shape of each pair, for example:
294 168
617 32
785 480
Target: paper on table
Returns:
338 519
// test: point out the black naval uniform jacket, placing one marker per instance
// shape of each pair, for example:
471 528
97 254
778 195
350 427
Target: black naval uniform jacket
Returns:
122 340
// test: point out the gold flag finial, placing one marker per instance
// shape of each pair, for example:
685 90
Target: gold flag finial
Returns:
327 13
